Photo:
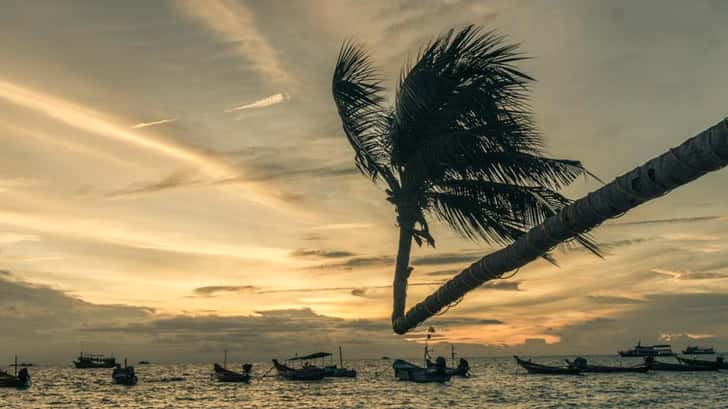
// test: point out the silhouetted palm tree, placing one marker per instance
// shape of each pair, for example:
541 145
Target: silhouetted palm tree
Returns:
458 144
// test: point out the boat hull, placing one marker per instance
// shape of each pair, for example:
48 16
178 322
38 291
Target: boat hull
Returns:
406 371
225 375
336 372
700 362
308 373
666 366
533 368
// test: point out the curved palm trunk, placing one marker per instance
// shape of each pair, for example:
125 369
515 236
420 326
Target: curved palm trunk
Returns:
706 152
402 270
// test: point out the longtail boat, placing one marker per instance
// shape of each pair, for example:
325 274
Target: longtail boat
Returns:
719 362
124 376
306 373
545 369
583 365
681 367
407 371
222 374
19 379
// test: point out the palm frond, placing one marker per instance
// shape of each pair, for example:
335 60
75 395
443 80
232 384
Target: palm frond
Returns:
357 89
499 212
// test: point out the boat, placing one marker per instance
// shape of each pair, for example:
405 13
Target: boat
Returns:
144 362
718 363
124 376
19 379
222 374
690 350
307 372
334 371
648 350
85 361
655 365
583 365
545 369
407 371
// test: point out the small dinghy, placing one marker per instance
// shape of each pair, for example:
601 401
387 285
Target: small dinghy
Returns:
719 362
583 365
545 369
407 371
655 365
125 375
306 373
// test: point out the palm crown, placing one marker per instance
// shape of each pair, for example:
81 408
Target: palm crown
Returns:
458 143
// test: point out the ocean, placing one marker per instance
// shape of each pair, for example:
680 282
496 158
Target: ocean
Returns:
497 383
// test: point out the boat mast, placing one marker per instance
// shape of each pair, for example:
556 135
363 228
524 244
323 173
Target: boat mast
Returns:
452 353
224 362
16 365
341 359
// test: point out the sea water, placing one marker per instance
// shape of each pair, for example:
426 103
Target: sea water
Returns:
496 383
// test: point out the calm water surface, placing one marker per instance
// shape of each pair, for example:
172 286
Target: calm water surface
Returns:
497 383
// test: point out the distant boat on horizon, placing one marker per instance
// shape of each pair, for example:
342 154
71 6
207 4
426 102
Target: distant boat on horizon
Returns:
696 350
648 350
87 361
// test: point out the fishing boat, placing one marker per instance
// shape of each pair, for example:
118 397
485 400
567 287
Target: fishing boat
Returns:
307 372
583 365
222 374
546 369
334 371
19 379
144 363
85 361
124 376
407 371
648 350
690 350
719 362
655 365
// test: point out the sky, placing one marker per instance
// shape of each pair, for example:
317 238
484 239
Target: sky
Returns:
174 180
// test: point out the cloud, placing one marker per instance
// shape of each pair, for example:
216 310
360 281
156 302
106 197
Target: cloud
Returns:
669 221
147 124
212 290
8 237
501 285
321 253
446 258
262 103
690 275
234 23
175 180
613 300
94 122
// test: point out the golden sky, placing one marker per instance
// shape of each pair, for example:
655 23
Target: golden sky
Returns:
173 169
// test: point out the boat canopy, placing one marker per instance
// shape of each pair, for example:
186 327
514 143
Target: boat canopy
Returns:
315 355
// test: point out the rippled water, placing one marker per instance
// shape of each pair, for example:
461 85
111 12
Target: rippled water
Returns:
498 383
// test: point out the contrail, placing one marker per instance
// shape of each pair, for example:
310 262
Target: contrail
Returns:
146 124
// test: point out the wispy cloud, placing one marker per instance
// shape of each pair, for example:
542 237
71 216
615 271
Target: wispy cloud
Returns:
234 23
147 124
262 103
87 120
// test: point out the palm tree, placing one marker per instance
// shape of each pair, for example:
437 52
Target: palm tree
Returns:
458 144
